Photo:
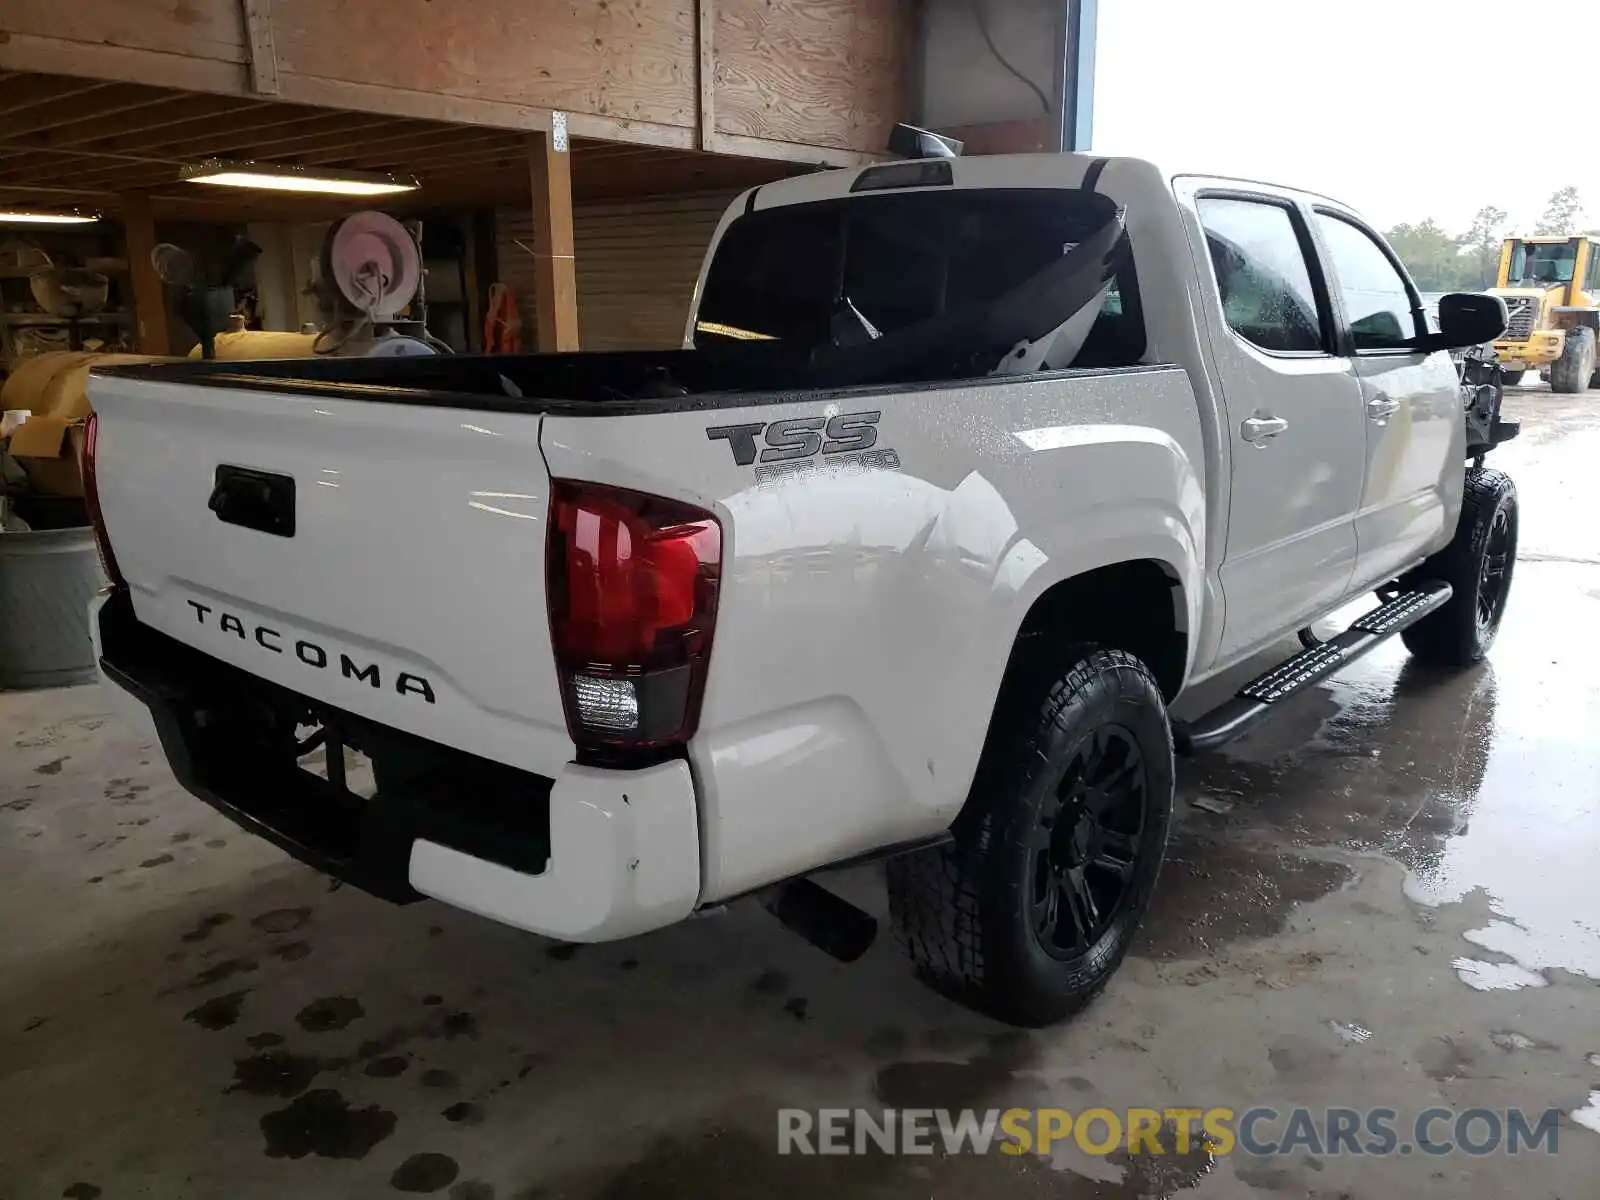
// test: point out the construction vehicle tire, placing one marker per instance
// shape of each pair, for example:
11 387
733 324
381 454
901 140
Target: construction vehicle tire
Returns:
1572 372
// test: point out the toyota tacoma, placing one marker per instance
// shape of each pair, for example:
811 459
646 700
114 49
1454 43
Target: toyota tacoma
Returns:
967 470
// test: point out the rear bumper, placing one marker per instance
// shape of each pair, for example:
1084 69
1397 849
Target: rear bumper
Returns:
592 855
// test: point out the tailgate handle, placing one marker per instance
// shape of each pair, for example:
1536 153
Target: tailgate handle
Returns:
254 499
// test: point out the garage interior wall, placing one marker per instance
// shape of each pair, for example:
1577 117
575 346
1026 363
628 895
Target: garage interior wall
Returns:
766 78
637 262
283 272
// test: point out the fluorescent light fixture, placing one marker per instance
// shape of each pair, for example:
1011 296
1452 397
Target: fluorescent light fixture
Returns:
272 177
26 216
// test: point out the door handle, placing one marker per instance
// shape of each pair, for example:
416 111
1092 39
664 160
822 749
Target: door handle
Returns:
254 499
1260 430
1381 407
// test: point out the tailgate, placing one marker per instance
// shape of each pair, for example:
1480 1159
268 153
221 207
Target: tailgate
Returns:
411 590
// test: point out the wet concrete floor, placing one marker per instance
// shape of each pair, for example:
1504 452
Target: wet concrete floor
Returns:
1390 897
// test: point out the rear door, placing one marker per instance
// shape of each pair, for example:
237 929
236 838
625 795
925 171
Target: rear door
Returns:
383 558
1411 403
1294 418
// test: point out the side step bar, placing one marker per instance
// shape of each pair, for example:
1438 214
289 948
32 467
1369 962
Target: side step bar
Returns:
1256 699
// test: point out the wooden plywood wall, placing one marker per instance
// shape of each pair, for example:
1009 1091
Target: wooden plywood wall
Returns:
800 80
620 58
818 72
212 29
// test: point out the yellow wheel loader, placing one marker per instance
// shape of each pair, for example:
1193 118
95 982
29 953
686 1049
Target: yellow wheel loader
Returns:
1551 286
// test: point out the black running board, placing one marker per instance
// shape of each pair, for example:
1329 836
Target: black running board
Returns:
1258 697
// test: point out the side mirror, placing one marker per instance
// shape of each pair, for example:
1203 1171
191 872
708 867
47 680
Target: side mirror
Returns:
1467 319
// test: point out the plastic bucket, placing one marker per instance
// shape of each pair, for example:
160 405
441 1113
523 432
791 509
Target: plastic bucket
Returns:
47 579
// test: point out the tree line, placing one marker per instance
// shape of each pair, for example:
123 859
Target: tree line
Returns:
1467 262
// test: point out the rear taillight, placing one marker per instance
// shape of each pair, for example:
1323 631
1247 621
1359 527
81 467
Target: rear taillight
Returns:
632 582
91 497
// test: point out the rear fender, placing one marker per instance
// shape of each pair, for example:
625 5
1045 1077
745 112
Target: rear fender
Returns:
869 606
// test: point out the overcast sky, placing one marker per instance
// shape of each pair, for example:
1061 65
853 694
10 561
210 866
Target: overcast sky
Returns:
1404 109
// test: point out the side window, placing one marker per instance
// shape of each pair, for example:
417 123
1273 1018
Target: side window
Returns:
1593 279
1267 297
1377 302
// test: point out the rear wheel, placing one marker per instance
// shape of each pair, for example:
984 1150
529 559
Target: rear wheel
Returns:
1031 908
1576 367
1478 565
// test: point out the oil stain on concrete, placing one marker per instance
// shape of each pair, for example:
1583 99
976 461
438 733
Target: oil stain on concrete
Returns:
425 1172
280 1072
282 920
323 1123
206 926
328 1014
219 1012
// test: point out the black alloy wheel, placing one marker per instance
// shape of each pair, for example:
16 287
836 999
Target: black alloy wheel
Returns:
1086 842
1494 578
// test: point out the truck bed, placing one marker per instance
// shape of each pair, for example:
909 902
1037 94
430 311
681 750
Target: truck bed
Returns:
634 381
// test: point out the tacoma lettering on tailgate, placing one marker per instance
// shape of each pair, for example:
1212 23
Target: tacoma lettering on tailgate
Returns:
311 654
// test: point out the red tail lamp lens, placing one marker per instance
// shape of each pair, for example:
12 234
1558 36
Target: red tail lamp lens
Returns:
632 582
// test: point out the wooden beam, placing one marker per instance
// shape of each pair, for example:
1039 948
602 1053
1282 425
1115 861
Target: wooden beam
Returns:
218 140
817 156
706 70
149 298
137 131
20 148
34 91
123 64
109 102
415 151
263 54
555 274
31 52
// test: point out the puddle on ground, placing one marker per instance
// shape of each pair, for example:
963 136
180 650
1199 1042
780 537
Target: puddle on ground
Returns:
1216 889
1483 976
975 1083
721 1163
1478 780
1589 1115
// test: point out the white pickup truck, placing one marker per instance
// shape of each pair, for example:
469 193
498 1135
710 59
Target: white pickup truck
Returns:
968 469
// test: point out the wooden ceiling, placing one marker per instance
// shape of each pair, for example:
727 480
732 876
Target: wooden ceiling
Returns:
70 141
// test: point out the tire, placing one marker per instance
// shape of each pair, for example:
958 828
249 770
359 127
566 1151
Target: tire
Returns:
1027 847
1571 372
1478 564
